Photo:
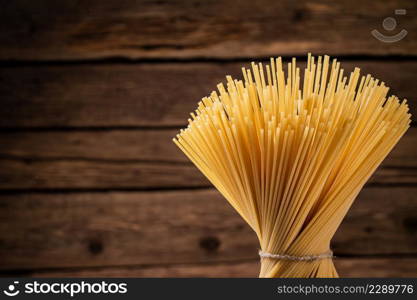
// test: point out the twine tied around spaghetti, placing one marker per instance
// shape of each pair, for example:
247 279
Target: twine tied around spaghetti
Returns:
264 254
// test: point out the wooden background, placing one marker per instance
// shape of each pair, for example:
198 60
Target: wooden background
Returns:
92 93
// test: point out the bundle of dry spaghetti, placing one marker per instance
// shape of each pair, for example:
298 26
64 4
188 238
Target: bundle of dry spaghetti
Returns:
290 156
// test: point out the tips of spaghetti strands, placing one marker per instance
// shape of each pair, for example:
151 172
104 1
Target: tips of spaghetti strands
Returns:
291 160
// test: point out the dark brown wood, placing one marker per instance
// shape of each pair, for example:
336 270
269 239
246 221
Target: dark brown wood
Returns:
377 267
138 95
135 146
79 174
368 267
379 215
131 159
109 145
65 148
183 29
41 231
104 229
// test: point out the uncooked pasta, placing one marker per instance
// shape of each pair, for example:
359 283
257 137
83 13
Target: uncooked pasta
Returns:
291 155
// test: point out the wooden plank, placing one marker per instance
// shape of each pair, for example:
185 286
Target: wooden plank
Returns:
181 29
362 267
112 145
150 228
140 94
105 95
135 145
132 159
80 174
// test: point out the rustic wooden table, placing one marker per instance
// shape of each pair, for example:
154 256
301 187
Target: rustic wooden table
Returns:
92 94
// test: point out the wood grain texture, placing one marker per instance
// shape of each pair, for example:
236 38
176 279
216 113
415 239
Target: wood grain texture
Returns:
91 97
117 159
91 175
353 267
42 231
183 29
146 145
155 95
79 174
135 146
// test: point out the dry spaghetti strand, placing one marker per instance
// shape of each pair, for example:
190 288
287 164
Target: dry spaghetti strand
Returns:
291 155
